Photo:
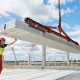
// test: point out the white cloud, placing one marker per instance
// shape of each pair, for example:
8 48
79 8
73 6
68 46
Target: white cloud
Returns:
15 6
75 31
47 11
22 8
32 8
6 5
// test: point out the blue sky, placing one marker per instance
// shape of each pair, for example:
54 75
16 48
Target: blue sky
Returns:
45 12
70 15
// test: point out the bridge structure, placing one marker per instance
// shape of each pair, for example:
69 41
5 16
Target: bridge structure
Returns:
25 32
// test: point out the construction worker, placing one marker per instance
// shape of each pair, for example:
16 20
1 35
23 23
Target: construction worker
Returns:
2 47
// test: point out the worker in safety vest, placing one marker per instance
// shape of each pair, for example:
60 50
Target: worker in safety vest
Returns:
2 47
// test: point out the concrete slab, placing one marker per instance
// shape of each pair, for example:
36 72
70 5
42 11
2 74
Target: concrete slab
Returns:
33 74
73 76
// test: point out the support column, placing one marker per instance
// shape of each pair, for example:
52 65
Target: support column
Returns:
29 59
29 55
68 58
43 56
55 64
14 55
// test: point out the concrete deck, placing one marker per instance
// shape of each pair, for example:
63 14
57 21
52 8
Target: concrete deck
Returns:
33 74
73 76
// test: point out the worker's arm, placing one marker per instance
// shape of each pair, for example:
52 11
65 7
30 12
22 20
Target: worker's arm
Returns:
12 42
